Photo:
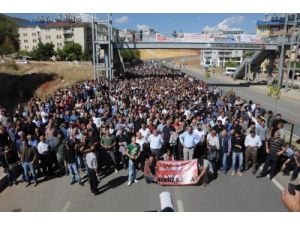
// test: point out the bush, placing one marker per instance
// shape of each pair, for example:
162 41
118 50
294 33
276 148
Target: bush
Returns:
130 55
231 64
72 57
71 51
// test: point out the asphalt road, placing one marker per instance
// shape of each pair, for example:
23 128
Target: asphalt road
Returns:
226 193
288 108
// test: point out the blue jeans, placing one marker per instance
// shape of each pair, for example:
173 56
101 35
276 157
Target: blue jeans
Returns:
131 170
28 167
240 155
224 162
72 167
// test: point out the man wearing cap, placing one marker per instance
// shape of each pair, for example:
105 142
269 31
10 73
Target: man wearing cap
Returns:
252 143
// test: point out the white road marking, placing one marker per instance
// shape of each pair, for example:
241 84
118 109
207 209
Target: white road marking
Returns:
180 206
277 184
66 207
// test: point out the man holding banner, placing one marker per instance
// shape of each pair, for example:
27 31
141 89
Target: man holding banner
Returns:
207 171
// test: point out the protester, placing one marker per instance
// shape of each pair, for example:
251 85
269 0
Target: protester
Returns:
237 151
274 148
252 144
69 155
10 165
168 156
225 149
29 159
92 164
189 140
156 142
206 171
150 169
133 152
292 164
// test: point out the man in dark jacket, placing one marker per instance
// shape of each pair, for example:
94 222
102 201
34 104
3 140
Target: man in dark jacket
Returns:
29 159
225 149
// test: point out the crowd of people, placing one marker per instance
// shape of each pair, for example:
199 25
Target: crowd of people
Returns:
152 68
95 128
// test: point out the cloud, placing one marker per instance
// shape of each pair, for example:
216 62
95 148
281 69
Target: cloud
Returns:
226 24
142 27
121 20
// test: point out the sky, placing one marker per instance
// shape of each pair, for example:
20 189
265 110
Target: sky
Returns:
166 23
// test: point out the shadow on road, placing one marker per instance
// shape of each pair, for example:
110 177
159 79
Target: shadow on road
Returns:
114 183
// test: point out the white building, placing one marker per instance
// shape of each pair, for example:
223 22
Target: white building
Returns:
219 58
58 33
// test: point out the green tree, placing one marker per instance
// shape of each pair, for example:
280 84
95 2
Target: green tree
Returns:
72 51
248 54
8 35
43 51
130 55
85 56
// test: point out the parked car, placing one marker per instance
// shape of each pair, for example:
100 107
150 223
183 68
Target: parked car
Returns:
21 61
229 71
2 61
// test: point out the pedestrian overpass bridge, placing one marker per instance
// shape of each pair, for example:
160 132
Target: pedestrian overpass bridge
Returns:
195 45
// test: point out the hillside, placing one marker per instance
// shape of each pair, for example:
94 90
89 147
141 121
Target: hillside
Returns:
20 82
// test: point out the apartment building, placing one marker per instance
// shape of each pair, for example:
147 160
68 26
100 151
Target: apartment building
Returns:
219 58
58 33
272 26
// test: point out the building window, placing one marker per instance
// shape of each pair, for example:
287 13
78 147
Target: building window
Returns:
34 40
58 36
33 34
25 41
26 47
25 34
48 37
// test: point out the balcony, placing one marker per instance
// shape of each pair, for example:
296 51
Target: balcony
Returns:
68 31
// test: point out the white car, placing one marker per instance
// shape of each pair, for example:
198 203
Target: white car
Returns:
2 61
229 71
21 61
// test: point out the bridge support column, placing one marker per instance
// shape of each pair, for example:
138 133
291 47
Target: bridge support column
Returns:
281 64
102 47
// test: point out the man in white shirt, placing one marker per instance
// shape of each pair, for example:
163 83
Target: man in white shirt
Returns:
201 134
92 164
44 116
155 140
45 156
144 131
189 140
213 146
252 144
